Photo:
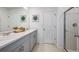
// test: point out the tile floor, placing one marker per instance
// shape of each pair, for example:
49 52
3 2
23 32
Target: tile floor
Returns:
47 48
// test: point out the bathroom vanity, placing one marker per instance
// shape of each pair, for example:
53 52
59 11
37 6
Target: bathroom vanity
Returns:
19 42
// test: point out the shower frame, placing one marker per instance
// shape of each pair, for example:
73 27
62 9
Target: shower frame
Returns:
65 27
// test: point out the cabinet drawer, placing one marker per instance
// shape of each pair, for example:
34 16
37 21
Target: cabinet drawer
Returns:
12 46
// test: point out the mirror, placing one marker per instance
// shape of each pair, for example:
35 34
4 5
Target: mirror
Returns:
13 17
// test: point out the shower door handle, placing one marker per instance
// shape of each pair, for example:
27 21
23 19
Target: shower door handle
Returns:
76 36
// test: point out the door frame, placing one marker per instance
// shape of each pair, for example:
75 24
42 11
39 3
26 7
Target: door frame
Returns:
65 27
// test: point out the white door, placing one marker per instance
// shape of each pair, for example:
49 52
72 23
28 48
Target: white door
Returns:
49 27
72 17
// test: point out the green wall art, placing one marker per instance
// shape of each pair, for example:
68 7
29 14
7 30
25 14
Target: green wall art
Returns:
23 17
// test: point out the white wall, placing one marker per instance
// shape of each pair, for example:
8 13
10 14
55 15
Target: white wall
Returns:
60 26
15 17
3 19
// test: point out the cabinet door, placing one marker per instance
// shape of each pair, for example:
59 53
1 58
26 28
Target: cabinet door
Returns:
27 45
33 39
35 36
19 48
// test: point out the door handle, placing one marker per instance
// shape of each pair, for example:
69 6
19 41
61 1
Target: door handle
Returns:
76 36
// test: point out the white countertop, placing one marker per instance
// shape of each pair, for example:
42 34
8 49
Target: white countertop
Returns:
6 40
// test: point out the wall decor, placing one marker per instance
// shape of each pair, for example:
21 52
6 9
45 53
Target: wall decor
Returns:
23 17
35 18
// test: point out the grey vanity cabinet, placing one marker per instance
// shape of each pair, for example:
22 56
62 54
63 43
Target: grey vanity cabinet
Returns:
24 44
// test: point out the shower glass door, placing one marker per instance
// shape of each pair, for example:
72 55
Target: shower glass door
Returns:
71 29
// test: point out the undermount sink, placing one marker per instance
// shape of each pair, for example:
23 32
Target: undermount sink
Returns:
6 33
